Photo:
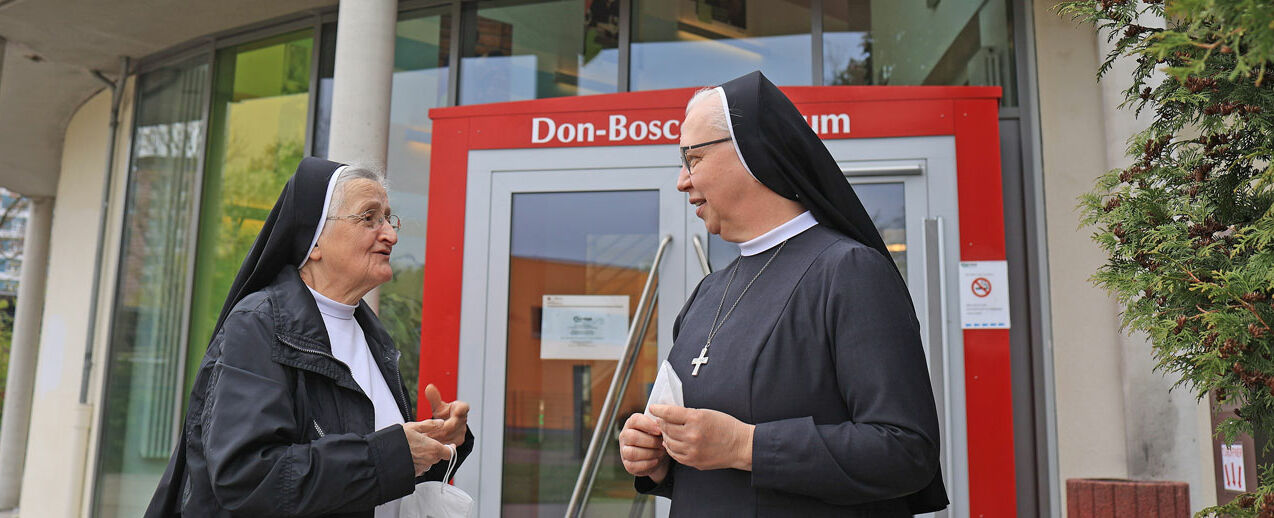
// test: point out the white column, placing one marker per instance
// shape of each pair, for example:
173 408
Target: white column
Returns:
361 84
23 351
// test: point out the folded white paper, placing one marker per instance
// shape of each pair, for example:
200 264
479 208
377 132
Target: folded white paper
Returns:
667 389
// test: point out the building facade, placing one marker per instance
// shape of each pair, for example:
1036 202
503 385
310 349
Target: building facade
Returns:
160 169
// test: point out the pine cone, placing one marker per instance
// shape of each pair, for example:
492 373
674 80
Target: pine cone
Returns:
1257 331
1209 341
1113 203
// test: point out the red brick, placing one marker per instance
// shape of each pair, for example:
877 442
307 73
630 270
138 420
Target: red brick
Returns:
1107 498
1125 498
1103 500
1148 499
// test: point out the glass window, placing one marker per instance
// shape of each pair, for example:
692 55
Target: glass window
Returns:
955 42
257 137
420 83
421 57
679 43
142 394
517 50
571 243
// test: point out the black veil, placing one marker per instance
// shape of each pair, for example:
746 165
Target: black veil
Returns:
782 152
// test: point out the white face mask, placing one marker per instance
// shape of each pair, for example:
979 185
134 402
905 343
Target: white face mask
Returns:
667 389
438 499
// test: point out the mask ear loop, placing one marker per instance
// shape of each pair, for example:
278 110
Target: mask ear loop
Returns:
451 467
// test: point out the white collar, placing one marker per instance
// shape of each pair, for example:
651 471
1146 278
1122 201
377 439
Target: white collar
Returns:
778 234
331 307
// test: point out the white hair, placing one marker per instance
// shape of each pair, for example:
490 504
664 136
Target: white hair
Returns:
717 118
345 176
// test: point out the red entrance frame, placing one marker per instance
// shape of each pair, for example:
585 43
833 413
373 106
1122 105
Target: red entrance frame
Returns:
970 114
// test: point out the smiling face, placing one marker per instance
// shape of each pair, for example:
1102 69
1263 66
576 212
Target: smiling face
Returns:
350 259
720 186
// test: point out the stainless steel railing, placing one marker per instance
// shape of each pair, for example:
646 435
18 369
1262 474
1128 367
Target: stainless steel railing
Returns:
618 383
703 258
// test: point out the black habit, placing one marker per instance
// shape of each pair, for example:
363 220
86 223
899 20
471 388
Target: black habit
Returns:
823 354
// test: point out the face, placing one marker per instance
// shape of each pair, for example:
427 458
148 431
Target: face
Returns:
347 249
719 184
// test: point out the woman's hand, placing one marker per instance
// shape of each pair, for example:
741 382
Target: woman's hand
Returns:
455 416
705 439
642 449
425 451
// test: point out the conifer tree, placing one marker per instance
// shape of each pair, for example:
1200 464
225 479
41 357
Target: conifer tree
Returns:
1187 223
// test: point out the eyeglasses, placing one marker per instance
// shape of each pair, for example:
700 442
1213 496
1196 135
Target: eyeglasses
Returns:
372 220
686 162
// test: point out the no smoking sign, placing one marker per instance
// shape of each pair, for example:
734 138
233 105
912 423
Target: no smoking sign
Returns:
981 287
984 301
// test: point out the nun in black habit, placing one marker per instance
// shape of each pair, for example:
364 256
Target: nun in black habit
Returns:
805 384
298 407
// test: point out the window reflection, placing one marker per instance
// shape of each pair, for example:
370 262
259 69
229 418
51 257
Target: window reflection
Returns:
955 42
522 50
257 135
679 43
421 69
421 56
144 368
570 243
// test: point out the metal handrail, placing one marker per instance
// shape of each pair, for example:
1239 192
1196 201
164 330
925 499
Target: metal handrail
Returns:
618 383
703 258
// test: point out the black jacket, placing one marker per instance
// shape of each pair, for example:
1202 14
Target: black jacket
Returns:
277 426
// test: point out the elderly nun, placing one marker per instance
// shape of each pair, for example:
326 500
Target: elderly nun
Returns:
298 408
809 394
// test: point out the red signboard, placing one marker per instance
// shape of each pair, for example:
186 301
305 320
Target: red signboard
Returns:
970 114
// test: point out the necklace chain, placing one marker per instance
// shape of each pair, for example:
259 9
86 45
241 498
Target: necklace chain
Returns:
712 331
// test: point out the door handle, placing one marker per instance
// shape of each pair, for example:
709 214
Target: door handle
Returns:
703 258
935 307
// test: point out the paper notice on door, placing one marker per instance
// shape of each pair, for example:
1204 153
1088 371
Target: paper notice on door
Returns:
583 327
984 295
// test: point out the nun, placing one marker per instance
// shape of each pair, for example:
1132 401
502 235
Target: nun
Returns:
298 407
805 385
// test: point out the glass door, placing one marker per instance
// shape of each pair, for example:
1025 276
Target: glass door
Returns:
570 253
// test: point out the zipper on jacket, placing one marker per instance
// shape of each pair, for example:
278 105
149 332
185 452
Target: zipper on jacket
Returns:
318 429
315 351
398 375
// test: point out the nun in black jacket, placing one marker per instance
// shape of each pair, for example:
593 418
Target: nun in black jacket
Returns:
282 420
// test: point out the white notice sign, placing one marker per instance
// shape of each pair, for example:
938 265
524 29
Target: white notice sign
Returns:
984 295
583 327
1232 467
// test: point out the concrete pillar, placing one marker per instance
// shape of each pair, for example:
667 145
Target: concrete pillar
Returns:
23 351
361 85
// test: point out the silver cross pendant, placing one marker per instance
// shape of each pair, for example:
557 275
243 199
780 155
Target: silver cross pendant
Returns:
700 361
